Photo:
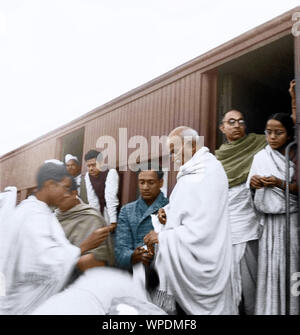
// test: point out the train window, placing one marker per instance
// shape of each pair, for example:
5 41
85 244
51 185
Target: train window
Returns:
257 83
72 143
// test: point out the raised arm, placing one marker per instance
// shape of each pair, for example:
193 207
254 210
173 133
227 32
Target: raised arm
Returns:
292 91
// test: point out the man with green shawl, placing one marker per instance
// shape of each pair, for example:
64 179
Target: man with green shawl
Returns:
78 221
236 157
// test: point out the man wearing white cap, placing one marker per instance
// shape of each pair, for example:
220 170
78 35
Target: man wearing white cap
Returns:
74 169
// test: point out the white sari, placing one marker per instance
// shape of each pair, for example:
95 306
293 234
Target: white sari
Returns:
270 203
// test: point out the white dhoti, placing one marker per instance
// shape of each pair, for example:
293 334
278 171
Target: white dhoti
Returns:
244 228
194 249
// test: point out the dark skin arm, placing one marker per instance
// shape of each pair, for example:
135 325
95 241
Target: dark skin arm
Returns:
292 91
88 261
151 238
113 226
94 239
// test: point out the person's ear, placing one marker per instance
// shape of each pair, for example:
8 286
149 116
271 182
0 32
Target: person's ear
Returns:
221 127
74 194
161 182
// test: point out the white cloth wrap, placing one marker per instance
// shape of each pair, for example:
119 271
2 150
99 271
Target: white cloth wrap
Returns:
195 250
36 258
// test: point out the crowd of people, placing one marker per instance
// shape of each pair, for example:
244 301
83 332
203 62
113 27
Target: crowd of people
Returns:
215 246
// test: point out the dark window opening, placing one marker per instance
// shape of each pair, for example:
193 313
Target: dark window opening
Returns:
73 144
257 84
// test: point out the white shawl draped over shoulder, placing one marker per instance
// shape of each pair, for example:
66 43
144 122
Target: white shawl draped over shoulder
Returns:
270 203
271 200
194 250
36 258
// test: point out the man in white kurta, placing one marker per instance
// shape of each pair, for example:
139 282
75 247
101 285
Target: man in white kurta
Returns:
105 196
74 168
236 157
36 258
40 259
194 248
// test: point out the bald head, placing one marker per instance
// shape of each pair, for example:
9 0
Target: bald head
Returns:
183 143
184 131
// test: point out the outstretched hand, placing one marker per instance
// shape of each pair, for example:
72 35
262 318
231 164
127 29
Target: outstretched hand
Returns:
95 239
151 238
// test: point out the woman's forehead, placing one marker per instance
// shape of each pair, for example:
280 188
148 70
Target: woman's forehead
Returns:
275 124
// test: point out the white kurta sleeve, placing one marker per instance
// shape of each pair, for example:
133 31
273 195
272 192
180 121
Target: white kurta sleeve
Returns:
91 195
111 194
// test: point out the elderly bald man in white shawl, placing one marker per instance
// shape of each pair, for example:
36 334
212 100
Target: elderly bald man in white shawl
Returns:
193 260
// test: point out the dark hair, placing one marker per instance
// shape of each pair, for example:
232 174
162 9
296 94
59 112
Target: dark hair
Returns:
286 121
91 154
51 171
147 167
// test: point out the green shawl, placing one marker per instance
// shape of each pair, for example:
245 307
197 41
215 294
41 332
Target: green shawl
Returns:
236 157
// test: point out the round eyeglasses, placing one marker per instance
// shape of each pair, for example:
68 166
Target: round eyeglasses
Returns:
277 133
232 122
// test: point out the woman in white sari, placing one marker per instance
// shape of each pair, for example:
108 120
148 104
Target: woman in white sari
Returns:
267 180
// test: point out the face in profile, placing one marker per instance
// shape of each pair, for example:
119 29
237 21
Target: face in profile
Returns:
180 151
149 185
233 126
57 192
276 134
69 202
73 168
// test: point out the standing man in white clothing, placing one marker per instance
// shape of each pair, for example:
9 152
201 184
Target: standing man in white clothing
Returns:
193 258
101 187
236 157
74 168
